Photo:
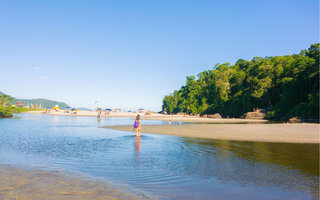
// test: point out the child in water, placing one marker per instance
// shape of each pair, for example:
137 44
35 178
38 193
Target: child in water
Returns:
137 125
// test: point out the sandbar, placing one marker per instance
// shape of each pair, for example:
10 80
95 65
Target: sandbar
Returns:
153 116
280 133
16 183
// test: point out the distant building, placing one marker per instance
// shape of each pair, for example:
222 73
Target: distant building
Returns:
19 103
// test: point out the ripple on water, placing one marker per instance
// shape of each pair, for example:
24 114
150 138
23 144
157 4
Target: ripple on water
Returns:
18 183
167 166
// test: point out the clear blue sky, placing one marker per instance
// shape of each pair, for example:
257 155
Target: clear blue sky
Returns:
129 54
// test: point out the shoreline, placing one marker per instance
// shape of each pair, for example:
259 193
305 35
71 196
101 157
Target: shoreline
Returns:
35 183
277 133
157 117
168 118
204 120
222 129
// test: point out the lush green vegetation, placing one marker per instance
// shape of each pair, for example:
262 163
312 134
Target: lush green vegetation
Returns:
44 103
7 109
284 86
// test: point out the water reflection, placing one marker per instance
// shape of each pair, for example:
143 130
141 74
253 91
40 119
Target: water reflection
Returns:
303 157
169 166
290 166
137 149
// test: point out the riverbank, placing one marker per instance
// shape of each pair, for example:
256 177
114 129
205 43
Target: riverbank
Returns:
282 133
37 184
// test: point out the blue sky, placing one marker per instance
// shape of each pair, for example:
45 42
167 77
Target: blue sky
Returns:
129 54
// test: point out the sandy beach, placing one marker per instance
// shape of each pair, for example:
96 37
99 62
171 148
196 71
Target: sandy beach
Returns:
283 133
180 118
222 129
46 185
95 114
153 116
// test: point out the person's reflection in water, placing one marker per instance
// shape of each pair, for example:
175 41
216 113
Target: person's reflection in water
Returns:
99 120
137 149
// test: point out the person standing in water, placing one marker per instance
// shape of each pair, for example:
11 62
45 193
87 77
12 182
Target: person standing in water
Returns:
137 125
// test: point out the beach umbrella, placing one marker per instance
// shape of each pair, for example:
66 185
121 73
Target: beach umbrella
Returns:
108 109
149 111
117 109
74 109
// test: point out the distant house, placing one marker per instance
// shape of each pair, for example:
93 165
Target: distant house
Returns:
19 103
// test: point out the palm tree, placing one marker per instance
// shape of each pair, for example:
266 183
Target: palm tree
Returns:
5 100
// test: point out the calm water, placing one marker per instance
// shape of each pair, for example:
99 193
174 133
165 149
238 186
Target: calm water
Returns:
168 167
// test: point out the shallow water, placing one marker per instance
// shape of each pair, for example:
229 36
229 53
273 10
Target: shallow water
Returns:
168 167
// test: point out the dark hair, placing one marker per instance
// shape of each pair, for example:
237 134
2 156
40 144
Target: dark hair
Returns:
138 117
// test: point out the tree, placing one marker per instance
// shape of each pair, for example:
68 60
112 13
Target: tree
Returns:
283 85
5 100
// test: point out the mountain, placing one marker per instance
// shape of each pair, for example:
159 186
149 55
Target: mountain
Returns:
44 102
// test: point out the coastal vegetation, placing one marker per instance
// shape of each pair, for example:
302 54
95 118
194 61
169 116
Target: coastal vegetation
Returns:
44 103
284 86
7 109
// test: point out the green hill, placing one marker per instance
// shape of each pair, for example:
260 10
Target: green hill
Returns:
44 102
284 86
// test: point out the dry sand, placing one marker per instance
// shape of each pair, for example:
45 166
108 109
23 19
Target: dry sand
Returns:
153 116
94 113
224 129
285 133
45 185
180 118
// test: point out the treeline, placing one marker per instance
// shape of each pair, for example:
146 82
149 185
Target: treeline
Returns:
7 109
285 86
44 103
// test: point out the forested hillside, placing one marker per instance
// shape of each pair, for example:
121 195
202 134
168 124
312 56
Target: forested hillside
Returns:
285 86
44 102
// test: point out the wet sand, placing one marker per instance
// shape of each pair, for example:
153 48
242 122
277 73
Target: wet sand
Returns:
283 133
46 185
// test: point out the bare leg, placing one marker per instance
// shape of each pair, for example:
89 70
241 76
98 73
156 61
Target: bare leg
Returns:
138 132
